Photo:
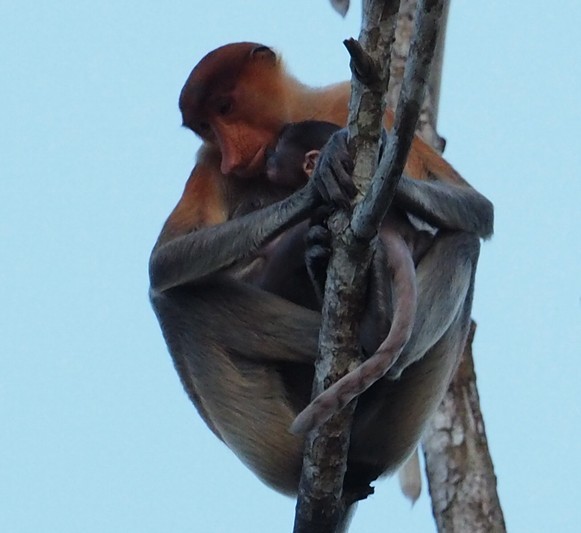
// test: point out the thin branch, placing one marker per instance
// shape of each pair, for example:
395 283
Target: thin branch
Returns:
371 211
458 463
321 506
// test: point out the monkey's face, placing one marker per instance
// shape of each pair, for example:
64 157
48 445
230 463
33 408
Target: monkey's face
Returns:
284 166
234 99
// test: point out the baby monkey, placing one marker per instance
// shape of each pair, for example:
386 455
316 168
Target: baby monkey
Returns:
392 285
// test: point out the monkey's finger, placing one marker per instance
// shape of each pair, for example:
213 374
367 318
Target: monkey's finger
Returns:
338 185
334 192
383 143
343 177
318 252
320 215
321 240
321 185
348 163
339 141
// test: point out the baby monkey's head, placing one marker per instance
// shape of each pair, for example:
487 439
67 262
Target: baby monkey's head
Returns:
293 160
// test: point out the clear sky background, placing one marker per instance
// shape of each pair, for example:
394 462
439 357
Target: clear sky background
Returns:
96 432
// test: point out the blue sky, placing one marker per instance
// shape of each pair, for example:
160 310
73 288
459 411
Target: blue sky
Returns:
97 434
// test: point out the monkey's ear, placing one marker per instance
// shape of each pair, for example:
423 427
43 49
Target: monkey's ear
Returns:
310 161
264 53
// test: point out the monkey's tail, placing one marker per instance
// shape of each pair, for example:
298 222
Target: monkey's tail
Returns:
338 395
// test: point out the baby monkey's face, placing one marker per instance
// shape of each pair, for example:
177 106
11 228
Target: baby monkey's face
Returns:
289 166
293 160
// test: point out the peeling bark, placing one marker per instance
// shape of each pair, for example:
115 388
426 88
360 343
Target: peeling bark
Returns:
459 467
458 462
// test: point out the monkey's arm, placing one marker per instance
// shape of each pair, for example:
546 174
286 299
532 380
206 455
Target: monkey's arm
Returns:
450 207
446 206
206 250
442 204
437 194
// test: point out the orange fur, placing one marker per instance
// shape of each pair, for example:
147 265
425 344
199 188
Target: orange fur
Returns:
202 202
237 99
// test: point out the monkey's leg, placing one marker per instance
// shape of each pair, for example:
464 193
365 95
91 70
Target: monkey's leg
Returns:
391 416
284 270
339 394
235 348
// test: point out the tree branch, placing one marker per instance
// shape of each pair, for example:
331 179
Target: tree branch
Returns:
371 211
321 506
458 462
403 36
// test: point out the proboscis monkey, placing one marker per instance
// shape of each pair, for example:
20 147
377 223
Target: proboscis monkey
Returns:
245 354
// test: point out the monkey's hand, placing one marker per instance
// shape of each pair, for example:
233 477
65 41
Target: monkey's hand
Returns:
332 175
318 250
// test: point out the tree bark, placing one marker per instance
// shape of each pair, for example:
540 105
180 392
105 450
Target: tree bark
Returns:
321 505
459 467
458 463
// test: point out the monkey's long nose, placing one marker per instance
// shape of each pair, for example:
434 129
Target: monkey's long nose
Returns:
232 162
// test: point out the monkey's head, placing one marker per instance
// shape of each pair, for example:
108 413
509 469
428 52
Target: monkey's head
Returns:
236 99
296 153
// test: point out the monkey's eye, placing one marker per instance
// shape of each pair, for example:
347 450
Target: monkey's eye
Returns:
225 107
